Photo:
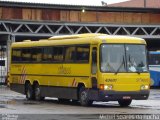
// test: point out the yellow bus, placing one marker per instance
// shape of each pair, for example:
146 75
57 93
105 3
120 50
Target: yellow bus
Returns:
83 67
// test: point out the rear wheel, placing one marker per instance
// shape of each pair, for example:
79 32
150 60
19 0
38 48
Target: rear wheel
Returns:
124 103
83 97
29 92
37 92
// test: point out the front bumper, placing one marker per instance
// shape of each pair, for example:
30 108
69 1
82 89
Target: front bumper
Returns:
102 95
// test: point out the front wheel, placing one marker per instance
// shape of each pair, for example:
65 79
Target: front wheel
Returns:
124 103
37 92
83 97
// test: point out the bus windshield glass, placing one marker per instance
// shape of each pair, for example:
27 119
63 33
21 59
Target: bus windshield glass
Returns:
123 58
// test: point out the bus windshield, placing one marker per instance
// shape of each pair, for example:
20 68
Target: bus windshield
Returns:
123 58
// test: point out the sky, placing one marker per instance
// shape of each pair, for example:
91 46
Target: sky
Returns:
72 2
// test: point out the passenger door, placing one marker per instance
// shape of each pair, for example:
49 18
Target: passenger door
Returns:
94 67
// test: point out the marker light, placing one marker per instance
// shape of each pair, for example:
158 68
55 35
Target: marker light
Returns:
101 87
105 87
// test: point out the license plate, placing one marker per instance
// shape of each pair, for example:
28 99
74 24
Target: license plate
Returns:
126 97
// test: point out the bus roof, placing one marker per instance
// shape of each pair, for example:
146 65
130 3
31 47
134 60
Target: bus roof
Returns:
89 38
62 37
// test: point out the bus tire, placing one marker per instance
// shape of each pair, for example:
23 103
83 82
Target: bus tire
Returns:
124 103
29 92
37 93
83 97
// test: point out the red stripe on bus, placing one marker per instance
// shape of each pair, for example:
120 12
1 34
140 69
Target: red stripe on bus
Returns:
73 82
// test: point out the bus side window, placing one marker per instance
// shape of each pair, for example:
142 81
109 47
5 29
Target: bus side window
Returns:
94 60
16 55
58 55
47 54
70 53
36 55
82 54
26 55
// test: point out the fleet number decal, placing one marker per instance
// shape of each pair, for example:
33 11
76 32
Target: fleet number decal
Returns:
111 80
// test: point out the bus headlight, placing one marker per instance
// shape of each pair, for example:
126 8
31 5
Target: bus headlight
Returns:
108 87
144 87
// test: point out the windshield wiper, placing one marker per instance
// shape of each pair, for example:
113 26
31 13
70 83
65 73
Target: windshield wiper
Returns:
123 63
138 71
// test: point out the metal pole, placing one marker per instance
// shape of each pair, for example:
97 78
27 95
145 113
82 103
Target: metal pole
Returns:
10 40
145 3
